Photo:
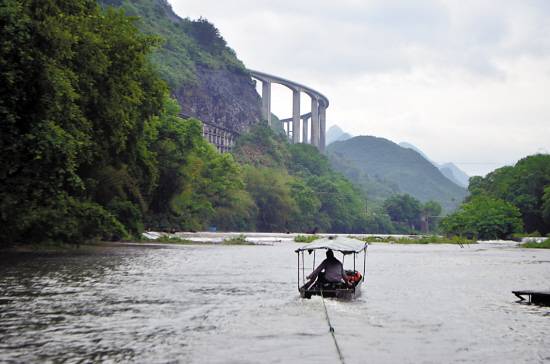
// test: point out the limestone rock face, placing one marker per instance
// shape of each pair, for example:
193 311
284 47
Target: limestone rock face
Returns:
202 71
223 97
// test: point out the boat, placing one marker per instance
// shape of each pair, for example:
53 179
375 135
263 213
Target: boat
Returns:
344 245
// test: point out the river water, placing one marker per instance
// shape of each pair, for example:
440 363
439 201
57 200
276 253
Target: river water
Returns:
239 304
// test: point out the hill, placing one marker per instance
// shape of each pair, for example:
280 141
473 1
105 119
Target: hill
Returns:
449 170
382 168
203 73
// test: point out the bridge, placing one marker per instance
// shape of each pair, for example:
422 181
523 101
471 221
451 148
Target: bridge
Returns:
313 124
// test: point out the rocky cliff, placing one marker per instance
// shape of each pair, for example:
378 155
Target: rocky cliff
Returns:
223 97
203 73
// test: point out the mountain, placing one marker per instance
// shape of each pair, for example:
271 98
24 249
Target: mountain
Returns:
455 174
449 170
203 73
335 134
382 168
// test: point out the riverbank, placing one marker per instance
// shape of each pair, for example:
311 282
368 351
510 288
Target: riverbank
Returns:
255 238
545 244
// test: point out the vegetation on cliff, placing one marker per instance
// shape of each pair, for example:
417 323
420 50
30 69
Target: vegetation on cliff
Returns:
186 43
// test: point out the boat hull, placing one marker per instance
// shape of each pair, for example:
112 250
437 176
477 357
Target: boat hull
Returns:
338 293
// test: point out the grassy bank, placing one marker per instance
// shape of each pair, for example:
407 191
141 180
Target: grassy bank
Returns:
164 239
305 238
237 240
430 239
534 245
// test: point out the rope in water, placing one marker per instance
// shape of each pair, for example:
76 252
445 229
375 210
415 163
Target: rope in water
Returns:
331 329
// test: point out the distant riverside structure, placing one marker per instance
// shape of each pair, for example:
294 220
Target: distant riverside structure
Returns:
313 128
222 138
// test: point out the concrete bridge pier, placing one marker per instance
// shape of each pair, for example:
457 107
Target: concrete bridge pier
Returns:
266 101
305 129
315 121
322 127
296 116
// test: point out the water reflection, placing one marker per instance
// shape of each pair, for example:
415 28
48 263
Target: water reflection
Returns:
221 304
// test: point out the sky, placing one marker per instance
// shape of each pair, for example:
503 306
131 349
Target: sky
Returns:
466 81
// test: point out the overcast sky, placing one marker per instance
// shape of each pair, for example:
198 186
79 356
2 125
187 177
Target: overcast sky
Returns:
466 81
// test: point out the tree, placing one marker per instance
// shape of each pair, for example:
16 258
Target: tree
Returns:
484 218
546 205
77 98
430 213
523 185
270 189
379 223
405 210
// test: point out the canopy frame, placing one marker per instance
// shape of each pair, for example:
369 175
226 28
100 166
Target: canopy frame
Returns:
339 244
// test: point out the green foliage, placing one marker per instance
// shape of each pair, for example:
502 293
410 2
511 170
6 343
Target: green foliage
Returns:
262 147
128 214
166 239
69 220
546 205
408 215
237 240
197 185
305 238
542 245
294 188
77 97
306 160
186 44
379 222
270 189
404 210
524 185
307 203
484 218
429 239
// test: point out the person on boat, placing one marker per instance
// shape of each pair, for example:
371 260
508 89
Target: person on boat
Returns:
329 271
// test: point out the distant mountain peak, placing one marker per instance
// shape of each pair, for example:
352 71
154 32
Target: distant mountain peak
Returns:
336 134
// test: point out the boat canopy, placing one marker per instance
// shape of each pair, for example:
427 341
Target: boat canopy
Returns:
341 244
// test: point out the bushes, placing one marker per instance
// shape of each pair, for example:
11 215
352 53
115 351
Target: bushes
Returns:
72 221
484 218
525 185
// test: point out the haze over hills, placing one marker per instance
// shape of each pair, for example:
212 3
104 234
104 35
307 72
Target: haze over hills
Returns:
336 134
449 170
382 168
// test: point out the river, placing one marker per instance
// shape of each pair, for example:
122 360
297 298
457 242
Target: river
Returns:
239 304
